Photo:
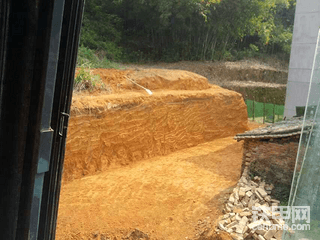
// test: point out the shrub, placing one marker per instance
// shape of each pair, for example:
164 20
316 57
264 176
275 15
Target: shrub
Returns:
85 80
88 58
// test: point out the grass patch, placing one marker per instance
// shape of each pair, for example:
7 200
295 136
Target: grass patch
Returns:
85 80
88 58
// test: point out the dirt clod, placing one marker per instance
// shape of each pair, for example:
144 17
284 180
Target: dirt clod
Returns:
136 234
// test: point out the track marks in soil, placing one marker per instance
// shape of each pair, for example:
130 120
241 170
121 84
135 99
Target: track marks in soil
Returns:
162 196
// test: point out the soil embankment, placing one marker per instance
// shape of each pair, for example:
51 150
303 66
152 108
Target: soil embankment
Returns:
119 129
164 197
254 79
220 73
161 163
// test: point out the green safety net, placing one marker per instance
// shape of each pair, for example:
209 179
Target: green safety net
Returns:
270 112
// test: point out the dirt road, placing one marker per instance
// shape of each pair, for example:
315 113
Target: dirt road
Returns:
163 196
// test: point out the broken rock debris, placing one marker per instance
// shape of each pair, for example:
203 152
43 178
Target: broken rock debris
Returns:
249 213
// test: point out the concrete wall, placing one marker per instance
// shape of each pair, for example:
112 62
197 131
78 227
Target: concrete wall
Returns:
305 32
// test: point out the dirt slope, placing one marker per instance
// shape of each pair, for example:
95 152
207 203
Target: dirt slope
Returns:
162 163
225 73
106 130
162 196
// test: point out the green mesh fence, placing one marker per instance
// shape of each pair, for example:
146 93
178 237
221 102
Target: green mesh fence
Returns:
267 112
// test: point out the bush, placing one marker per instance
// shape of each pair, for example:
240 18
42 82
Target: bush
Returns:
84 80
88 58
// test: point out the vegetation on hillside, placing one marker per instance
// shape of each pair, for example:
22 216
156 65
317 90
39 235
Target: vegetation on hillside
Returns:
85 80
173 30
88 58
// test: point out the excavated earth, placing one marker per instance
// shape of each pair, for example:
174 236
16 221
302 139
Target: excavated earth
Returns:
140 166
262 80
270 73
184 110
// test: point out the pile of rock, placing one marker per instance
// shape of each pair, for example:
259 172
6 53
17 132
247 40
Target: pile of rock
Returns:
248 212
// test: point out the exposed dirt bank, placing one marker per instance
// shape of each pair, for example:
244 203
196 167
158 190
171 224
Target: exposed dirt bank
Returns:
162 163
220 73
119 129
164 196
121 81
263 81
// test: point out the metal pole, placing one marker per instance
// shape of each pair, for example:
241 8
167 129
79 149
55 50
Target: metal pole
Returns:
264 109
273 113
253 111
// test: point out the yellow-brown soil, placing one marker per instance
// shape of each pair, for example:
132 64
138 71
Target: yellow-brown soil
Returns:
120 81
158 163
222 73
162 196
119 129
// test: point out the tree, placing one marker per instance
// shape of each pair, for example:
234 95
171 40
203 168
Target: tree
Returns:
173 30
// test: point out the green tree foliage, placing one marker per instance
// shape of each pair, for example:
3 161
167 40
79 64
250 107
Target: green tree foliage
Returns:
101 30
172 30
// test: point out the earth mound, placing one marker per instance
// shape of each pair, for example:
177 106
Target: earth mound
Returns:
120 81
159 164
107 130
168 79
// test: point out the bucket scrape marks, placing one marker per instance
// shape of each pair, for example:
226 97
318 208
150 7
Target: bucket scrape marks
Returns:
162 196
